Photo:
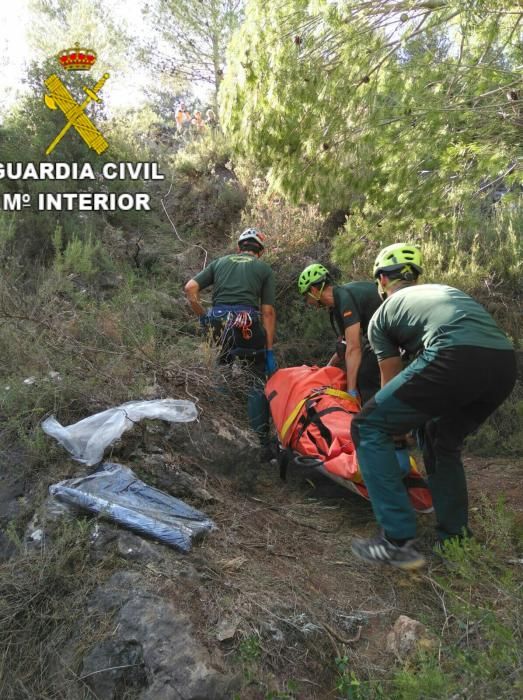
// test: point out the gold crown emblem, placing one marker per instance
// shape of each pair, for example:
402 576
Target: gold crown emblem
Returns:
77 58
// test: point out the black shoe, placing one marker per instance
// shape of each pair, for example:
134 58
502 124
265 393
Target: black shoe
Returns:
460 537
441 543
268 454
379 550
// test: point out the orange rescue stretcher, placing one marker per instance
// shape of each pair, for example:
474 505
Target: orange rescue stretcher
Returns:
312 414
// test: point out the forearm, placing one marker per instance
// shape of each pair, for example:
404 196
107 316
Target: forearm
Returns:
389 368
269 323
352 364
192 293
334 361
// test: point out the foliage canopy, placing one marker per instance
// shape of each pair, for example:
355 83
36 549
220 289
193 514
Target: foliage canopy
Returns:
407 115
196 35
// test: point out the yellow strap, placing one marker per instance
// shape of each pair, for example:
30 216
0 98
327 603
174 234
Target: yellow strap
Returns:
340 394
317 392
290 420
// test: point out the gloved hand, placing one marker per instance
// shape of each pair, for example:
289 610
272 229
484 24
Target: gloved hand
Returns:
355 394
403 458
270 363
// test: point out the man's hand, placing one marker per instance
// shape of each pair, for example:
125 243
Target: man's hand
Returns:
334 361
354 394
270 363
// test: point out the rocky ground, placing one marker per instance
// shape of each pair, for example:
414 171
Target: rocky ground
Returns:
263 605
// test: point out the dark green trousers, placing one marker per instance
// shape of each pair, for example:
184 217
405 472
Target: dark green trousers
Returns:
250 352
445 395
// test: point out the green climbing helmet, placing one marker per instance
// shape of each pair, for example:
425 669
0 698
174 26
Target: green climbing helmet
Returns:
396 257
313 274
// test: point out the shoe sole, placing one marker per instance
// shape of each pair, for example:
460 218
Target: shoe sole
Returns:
410 566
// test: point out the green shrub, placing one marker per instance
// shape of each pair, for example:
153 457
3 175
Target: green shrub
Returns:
41 596
502 433
482 649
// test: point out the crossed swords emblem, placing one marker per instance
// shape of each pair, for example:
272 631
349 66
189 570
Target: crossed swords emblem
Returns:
60 97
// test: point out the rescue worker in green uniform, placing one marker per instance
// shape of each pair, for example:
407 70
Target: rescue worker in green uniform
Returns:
351 307
464 368
242 319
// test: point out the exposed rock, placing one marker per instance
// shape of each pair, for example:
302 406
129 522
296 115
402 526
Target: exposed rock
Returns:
407 636
135 548
102 535
108 537
272 631
227 628
149 463
232 434
351 623
176 664
11 491
41 524
7 548
184 485
115 593
112 667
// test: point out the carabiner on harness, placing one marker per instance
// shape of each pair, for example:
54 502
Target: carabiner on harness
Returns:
243 322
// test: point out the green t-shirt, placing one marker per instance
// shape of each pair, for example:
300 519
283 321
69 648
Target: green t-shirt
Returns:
355 302
239 278
432 316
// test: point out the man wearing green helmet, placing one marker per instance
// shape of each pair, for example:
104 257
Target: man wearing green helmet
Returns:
464 368
351 307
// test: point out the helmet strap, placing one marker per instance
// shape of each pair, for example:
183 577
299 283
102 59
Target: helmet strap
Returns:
317 298
385 290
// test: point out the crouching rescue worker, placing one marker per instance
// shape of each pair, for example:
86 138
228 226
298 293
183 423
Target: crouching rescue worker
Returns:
242 319
464 368
351 308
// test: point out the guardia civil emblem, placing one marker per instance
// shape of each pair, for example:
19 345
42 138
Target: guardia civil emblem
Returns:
59 97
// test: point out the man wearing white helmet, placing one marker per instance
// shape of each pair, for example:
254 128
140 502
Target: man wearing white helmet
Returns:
242 318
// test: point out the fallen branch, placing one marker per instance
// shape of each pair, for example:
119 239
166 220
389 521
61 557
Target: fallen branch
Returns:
337 635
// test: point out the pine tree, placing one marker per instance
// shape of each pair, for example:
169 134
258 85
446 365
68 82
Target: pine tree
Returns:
196 35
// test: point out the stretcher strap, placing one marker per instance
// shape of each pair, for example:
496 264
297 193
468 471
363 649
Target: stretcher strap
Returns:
314 416
317 392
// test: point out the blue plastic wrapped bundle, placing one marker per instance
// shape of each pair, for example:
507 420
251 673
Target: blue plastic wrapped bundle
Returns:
115 492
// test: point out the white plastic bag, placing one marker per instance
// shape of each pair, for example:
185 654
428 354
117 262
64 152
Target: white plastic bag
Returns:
87 439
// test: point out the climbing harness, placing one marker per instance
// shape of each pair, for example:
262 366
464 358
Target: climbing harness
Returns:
243 321
238 329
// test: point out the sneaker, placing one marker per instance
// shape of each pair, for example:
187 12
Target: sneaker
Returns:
379 550
268 454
